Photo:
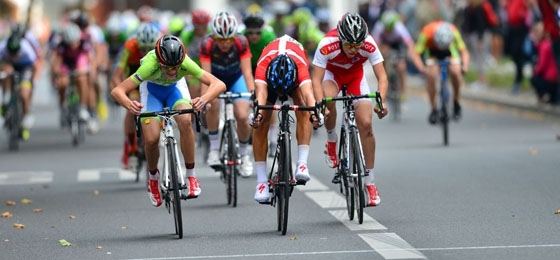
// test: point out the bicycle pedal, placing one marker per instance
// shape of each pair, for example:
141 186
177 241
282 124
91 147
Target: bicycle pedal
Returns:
265 202
301 182
336 179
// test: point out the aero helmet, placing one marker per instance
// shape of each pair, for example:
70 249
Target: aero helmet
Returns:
282 74
170 50
147 35
352 28
71 33
443 36
224 25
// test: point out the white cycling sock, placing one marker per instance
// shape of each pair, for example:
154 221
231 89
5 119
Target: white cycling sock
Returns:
273 132
260 168
243 148
332 136
214 140
303 153
369 179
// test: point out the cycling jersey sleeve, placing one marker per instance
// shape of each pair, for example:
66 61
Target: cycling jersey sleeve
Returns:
148 67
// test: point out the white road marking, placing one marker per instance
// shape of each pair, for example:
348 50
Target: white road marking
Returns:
368 224
25 177
126 175
327 199
391 246
89 175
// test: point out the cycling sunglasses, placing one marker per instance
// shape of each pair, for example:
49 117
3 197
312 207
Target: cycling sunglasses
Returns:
253 32
356 46
222 40
167 67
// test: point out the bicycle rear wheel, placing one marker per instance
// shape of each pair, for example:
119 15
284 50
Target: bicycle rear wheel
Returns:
175 189
343 172
358 169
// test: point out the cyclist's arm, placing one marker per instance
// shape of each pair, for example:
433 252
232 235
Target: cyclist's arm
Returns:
206 66
118 74
417 50
214 88
261 93
247 71
382 81
119 93
463 51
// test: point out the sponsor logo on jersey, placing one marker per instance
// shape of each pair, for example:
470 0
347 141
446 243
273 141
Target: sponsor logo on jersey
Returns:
369 47
329 48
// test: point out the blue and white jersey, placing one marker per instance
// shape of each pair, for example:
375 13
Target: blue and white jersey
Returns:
25 57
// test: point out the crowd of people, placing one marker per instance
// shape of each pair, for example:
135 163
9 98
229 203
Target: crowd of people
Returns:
186 59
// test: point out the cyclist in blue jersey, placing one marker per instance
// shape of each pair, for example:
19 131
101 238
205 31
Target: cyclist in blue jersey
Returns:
162 84
226 54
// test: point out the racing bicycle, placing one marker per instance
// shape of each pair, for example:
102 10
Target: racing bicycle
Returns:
13 113
281 176
351 164
444 97
172 180
229 148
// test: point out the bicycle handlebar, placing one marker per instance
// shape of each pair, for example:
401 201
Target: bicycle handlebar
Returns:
168 113
375 95
235 95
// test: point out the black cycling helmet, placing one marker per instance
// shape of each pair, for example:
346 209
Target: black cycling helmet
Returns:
13 44
253 21
18 29
170 50
282 74
352 28
82 20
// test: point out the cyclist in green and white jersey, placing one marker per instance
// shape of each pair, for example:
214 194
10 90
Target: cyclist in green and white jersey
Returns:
162 84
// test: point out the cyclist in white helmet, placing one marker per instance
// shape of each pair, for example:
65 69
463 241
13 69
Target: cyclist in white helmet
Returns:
133 50
441 40
227 56
74 55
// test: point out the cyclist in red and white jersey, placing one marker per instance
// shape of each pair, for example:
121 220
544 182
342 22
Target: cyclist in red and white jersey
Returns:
339 60
227 56
282 70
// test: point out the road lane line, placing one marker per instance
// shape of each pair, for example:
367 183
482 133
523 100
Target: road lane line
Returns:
391 246
89 175
25 177
368 224
126 175
327 199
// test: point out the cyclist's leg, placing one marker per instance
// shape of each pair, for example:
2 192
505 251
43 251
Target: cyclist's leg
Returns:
241 111
331 89
213 124
6 85
180 98
456 79
129 122
26 89
260 146
303 136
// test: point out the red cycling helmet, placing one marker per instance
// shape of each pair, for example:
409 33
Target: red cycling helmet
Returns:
200 17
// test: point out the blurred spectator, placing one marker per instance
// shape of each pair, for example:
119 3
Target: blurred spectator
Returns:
428 11
371 11
518 13
548 9
545 75
323 19
481 20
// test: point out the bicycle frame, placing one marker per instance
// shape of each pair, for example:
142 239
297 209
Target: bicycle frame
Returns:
73 106
173 180
351 165
281 178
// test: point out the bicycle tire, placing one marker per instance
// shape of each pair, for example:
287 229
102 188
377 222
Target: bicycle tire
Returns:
176 194
343 172
444 117
15 117
358 170
231 168
285 175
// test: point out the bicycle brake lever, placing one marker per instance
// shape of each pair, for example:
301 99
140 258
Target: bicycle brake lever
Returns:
379 101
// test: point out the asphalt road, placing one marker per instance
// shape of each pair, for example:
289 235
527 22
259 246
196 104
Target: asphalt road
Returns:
491 194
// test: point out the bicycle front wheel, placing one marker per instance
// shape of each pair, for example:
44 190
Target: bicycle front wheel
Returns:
358 169
175 189
343 172
285 184
14 122
231 168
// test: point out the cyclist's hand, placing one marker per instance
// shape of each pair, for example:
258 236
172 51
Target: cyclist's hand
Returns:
198 104
255 122
381 113
317 121
135 107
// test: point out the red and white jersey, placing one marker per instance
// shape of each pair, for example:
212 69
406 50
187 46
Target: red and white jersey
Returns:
329 55
284 45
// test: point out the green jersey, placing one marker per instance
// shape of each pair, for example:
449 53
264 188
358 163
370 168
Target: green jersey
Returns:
267 36
150 70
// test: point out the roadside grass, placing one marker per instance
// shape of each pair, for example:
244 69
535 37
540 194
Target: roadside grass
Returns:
501 75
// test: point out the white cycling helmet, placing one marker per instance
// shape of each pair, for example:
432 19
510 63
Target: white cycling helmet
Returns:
113 26
224 25
71 33
443 36
147 35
